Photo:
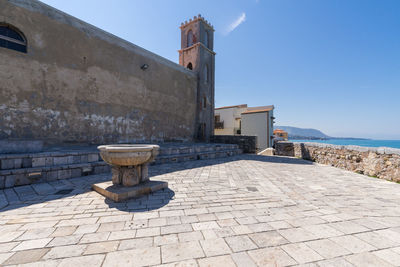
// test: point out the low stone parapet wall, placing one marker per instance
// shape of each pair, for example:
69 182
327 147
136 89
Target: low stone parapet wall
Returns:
24 169
248 144
379 162
284 149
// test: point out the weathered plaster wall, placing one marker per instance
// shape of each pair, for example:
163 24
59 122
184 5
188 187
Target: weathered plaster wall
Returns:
377 162
78 83
260 125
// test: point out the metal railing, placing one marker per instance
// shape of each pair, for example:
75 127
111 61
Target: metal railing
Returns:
219 125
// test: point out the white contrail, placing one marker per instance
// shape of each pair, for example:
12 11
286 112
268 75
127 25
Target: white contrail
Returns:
236 23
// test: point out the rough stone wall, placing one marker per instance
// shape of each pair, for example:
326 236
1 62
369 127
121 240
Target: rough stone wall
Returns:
377 162
284 149
248 144
80 84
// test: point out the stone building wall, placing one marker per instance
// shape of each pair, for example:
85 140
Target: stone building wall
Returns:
377 162
79 84
248 144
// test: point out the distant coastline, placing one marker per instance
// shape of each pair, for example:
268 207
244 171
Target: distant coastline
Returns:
313 135
294 137
352 141
296 133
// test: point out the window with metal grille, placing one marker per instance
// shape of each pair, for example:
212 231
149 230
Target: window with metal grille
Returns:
10 38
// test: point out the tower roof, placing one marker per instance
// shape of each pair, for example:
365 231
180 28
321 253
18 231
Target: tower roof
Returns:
236 106
258 109
196 18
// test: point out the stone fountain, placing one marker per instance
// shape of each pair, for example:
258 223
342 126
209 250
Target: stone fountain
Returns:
129 166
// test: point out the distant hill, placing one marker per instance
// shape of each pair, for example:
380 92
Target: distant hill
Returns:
301 133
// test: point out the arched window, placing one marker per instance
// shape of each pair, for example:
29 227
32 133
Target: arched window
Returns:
190 66
206 74
190 38
11 38
206 39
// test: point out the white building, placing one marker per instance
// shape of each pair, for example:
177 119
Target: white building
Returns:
259 121
228 119
249 121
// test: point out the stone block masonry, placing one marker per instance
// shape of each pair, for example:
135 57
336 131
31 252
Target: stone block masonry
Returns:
34 168
246 143
379 162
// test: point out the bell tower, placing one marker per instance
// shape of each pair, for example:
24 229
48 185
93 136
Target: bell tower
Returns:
196 54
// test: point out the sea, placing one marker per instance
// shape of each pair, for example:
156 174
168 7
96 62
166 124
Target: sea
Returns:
357 142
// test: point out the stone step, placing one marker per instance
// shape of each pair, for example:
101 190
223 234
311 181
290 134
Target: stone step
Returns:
39 174
59 158
196 156
195 149
24 176
46 159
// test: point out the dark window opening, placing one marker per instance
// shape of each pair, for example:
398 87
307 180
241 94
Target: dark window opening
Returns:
202 132
10 38
218 124
207 42
190 38
204 102
205 74
190 66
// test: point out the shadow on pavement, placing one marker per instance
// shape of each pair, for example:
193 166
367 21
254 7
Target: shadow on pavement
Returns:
149 202
14 198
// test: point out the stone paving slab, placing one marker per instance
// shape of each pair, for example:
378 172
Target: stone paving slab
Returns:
246 210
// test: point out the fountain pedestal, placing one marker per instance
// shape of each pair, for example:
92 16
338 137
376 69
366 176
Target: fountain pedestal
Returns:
130 176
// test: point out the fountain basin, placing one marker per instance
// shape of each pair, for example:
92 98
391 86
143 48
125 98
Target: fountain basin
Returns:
129 167
128 155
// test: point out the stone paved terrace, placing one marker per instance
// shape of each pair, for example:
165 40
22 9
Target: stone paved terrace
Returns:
245 211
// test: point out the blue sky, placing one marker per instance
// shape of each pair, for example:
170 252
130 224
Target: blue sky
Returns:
333 65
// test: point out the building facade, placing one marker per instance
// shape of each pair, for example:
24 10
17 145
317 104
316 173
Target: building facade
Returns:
228 120
65 81
280 134
259 121
246 121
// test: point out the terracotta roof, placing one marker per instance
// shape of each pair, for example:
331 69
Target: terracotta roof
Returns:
258 109
279 131
237 106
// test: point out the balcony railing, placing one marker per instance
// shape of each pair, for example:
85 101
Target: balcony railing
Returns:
219 125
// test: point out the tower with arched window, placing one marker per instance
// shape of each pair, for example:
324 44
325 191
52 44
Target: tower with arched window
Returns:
196 54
